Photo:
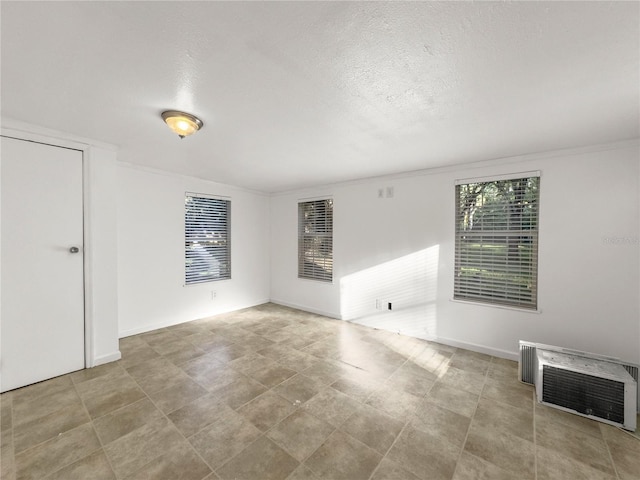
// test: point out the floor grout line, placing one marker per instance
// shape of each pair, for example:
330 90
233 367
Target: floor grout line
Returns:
613 464
379 342
173 426
464 442
95 432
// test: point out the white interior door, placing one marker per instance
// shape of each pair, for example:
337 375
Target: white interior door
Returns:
42 297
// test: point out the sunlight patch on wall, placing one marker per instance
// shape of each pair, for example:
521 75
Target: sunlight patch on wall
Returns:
408 283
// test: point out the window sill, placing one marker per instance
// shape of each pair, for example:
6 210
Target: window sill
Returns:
495 305
317 281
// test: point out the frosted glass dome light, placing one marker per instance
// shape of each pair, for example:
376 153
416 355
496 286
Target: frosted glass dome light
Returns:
184 124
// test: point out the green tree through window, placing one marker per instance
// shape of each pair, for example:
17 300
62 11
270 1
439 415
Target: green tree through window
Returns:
315 240
496 246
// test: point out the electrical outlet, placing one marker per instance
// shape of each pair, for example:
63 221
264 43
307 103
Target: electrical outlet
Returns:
213 294
381 193
378 307
389 192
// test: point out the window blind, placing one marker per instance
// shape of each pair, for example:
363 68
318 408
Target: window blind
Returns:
315 240
207 239
496 244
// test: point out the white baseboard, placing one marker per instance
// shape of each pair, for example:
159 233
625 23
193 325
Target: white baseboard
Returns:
144 329
155 326
306 309
108 358
494 352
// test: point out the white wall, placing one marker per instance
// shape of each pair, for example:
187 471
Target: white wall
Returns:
401 249
101 276
151 287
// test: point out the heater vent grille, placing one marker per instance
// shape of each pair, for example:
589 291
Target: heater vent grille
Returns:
586 394
633 371
527 364
595 386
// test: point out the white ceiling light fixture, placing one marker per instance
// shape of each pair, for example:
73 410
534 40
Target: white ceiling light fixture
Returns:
184 124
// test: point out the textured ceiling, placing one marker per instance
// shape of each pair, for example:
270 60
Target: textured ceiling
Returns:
305 93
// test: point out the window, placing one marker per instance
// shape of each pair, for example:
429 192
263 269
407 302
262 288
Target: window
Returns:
206 239
315 240
496 245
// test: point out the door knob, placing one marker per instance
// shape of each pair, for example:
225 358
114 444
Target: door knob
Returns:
74 249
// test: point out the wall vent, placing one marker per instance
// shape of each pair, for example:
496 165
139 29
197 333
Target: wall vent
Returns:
594 386
527 364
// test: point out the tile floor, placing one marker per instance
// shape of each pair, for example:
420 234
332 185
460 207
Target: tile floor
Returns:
275 393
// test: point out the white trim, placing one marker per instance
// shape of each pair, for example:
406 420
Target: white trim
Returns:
35 133
150 327
87 252
111 357
494 352
166 173
497 178
315 198
317 281
59 139
207 195
497 162
496 305
204 282
325 313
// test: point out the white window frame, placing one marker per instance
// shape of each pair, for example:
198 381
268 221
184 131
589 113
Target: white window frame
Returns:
207 238
496 257
315 239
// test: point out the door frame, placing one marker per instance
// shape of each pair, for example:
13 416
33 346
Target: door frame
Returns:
31 133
